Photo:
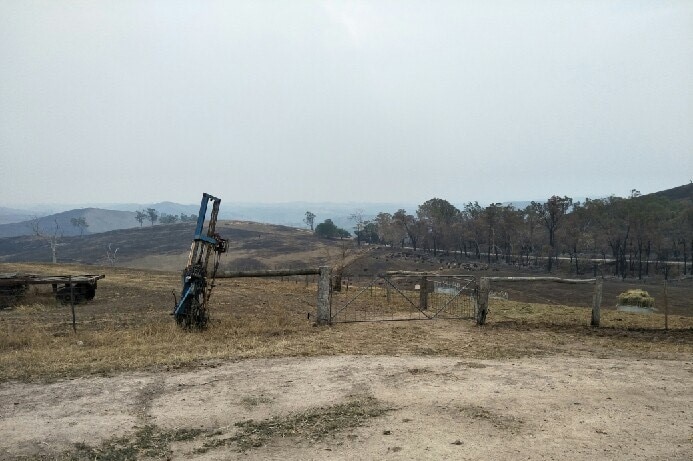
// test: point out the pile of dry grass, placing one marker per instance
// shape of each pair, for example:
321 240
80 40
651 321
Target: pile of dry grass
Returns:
636 297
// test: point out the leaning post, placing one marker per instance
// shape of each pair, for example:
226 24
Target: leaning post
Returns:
597 303
324 295
482 300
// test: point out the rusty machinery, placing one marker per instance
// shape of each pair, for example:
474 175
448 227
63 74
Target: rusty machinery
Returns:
198 280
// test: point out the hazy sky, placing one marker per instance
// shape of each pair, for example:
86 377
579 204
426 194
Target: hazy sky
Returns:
274 101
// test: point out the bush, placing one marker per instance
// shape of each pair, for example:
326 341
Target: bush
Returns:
328 229
640 298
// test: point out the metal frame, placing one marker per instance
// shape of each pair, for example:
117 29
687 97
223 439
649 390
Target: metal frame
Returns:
191 309
467 285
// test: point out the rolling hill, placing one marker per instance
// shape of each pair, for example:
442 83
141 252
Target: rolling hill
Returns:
98 220
165 247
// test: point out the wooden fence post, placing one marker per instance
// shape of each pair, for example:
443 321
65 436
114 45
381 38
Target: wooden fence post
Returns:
324 295
423 294
666 307
597 303
482 300
72 303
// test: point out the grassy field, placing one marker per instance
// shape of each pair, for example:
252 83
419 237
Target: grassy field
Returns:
128 327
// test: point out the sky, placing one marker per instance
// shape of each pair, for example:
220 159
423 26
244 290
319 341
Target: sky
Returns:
343 101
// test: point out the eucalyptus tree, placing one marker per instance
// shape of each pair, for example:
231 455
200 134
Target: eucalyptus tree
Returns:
492 216
388 231
438 216
552 214
578 234
409 224
359 223
310 220
140 216
508 232
614 219
528 236
80 223
471 218
152 215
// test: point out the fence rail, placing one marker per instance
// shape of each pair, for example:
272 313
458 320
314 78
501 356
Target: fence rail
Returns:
485 290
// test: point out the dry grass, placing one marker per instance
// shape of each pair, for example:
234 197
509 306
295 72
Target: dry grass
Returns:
152 442
147 442
311 425
128 327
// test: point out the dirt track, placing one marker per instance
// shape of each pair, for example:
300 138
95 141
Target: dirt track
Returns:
436 408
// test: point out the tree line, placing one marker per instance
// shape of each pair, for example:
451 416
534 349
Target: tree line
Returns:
636 236
152 215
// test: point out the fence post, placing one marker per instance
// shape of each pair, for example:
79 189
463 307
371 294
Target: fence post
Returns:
596 303
423 294
72 303
482 300
666 307
324 295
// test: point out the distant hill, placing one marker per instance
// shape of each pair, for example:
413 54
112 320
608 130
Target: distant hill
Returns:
11 215
252 246
680 194
97 219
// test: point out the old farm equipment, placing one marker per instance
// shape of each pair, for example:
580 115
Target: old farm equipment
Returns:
68 289
191 310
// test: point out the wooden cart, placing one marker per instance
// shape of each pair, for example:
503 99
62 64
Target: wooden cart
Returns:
68 289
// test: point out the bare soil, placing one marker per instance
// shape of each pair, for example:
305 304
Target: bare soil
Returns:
432 408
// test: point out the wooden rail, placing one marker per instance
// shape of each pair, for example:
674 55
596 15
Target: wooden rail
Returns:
485 289
32 279
539 279
267 273
421 274
324 286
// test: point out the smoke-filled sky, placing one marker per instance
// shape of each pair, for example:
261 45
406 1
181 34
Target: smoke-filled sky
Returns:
343 101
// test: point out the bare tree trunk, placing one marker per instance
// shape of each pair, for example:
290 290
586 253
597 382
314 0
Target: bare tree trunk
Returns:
640 260
54 251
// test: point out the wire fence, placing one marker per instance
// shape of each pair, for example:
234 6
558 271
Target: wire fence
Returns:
402 297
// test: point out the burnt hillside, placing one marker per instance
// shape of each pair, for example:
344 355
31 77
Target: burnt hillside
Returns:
251 246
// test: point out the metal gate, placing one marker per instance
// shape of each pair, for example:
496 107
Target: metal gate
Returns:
396 297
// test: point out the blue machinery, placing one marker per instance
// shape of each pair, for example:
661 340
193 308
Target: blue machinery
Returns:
191 310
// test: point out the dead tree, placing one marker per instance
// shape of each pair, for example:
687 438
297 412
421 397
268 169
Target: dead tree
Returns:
111 255
53 236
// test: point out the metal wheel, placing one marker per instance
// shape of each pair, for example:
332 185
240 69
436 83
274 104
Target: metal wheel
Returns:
195 316
198 315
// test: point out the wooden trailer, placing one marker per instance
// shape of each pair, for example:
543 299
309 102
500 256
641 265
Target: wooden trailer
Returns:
68 289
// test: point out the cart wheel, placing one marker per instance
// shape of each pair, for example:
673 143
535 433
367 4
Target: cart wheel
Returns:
64 297
193 317
10 294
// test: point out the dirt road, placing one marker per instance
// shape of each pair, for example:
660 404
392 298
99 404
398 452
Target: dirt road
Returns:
427 408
